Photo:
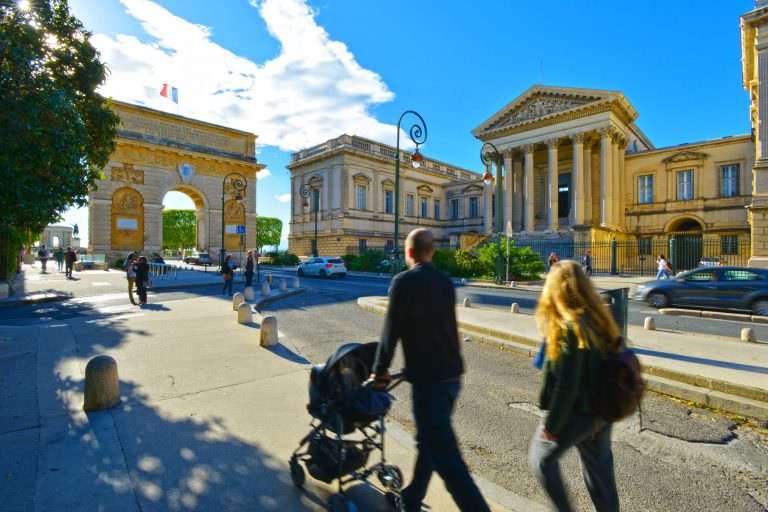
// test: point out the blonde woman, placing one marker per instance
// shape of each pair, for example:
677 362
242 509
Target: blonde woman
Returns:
578 329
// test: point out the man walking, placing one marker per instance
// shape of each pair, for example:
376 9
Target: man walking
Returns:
43 255
249 269
130 274
422 313
586 261
70 257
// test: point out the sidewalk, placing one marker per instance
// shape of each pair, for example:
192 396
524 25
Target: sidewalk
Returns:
719 372
208 419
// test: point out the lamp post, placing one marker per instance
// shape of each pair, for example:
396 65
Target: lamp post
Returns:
418 134
489 154
305 189
234 184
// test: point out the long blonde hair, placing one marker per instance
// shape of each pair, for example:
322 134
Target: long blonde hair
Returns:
569 297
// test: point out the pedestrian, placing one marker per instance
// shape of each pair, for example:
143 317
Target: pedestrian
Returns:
70 257
579 331
142 280
249 269
664 269
58 255
587 262
551 260
42 253
228 273
130 274
422 313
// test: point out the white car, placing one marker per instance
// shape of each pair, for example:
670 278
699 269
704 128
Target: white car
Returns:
323 267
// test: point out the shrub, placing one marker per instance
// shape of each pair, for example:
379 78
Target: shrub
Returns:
351 261
445 261
283 259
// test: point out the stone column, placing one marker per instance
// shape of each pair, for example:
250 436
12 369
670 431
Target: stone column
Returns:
528 196
577 180
517 201
616 182
487 204
508 189
605 176
587 211
621 183
153 227
201 216
758 210
552 183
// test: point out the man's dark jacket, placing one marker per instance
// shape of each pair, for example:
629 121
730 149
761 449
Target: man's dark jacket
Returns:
422 312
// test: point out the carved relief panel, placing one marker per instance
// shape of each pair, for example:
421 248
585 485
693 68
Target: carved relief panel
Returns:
234 215
127 219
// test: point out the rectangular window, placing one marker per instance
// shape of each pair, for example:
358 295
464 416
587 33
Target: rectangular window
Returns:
473 210
360 196
389 203
424 208
644 246
729 180
389 246
437 209
454 209
729 245
685 185
409 205
645 189
362 245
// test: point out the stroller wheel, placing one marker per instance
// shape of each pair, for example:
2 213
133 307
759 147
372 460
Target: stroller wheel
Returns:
391 477
340 503
395 501
297 473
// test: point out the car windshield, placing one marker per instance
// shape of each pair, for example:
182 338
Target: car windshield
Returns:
335 260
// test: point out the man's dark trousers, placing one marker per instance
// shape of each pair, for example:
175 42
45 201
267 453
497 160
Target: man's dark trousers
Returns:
439 449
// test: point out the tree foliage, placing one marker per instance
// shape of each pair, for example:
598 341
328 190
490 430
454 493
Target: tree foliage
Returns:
179 229
268 231
57 132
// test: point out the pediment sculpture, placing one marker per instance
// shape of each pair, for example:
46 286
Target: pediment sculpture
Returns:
127 174
685 156
541 106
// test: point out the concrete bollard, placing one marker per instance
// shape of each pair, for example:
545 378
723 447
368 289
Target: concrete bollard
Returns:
237 299
282 285
512 284
102 387
244 313
296 282
265 290
515 308
649 324
249 294
748 335
269 279
268 331
466 303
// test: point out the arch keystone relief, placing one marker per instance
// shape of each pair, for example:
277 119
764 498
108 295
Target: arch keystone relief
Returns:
157 152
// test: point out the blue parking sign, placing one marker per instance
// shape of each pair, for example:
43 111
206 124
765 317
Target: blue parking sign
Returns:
241 230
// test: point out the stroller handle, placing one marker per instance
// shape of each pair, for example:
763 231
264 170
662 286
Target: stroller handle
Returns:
395 380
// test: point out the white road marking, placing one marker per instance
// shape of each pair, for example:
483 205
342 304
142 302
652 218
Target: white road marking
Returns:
101 283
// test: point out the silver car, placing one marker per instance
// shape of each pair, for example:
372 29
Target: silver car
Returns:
323 267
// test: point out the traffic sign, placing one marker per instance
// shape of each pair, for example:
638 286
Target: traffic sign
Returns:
241 229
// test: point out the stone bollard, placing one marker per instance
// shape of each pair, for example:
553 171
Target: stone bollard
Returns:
466 303
748 335
265 290
296 282
269 279
237 299
512 284
244 313
649 324
282 285
102 388
515 308
249 294
268 331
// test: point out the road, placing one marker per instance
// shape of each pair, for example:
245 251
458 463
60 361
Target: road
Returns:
684 458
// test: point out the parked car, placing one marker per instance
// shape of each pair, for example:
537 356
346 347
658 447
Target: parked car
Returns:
743 289
198 258
323 267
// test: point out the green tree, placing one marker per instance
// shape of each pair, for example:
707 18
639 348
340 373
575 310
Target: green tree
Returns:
56 132
268 231
179 229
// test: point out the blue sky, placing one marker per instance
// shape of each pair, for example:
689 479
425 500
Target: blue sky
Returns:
297 73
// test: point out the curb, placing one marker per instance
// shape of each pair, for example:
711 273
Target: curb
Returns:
733 398
34 299
718 315
255 306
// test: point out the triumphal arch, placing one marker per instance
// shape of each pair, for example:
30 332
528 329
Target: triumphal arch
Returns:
159 152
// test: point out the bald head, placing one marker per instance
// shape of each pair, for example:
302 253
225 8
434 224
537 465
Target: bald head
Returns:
420 245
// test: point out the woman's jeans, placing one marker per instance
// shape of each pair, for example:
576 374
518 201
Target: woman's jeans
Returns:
595 456
662 274
227 290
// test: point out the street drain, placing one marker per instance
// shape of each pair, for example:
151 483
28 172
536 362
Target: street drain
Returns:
526 407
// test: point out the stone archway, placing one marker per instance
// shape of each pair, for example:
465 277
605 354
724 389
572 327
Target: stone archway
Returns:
689 243
202 213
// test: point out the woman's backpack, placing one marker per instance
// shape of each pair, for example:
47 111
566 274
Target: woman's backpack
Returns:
620 386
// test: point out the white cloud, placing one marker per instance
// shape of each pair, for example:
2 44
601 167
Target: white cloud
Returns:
284 198
264 173
313 90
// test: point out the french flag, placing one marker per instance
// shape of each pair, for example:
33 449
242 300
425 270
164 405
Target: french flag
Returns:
174 97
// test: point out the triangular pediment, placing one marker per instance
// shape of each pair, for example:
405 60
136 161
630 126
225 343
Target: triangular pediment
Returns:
685 156
547 102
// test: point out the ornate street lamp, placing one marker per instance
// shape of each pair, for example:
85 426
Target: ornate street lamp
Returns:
489 154
234 185
418 134
305 189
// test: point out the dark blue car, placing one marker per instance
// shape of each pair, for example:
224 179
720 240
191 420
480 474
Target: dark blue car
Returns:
736 288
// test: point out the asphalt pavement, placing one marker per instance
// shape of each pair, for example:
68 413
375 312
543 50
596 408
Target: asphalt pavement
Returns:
683 459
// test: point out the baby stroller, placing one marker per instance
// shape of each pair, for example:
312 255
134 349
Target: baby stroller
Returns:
342 402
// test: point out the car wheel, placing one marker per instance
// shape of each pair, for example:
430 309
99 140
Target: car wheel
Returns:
342 276
658 300
300 272
760 307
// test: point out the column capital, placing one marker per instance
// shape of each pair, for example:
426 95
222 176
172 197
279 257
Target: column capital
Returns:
527 148
606 132
508 153
552 143
578 138
617 137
